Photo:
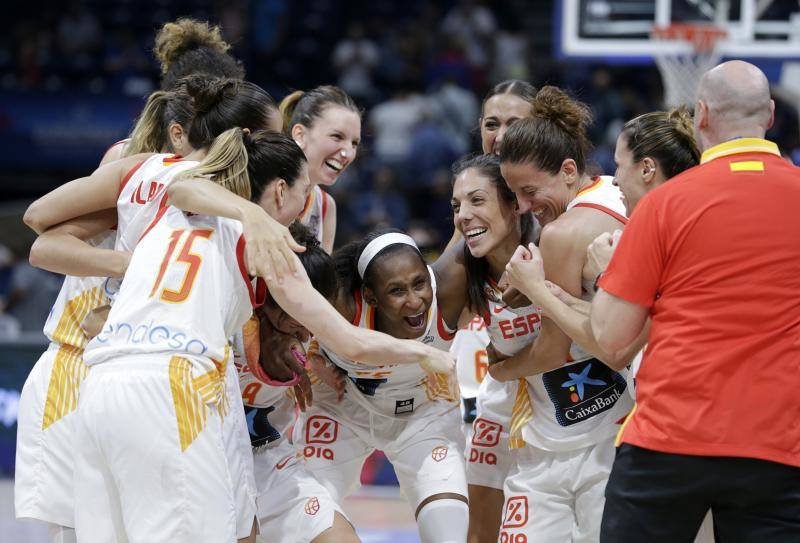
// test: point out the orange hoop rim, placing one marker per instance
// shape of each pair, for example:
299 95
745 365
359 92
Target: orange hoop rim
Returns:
703 37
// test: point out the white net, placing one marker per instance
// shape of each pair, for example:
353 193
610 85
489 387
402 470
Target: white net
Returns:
683 65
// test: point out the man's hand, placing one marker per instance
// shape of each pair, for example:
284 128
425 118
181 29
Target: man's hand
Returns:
525 270
599 254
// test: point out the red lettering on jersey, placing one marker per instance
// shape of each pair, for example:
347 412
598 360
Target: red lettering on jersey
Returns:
153 190
250 392
520 326
481 365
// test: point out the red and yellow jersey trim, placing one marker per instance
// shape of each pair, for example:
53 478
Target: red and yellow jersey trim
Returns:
607 210
597 182
738 146
307 206
128 177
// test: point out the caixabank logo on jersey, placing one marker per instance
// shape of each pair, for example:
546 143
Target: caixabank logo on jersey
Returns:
582 390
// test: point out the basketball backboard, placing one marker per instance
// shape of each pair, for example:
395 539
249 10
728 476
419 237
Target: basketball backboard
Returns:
618 31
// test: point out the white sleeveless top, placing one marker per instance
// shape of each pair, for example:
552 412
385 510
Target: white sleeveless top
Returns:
314 211
397 389
185 293
582 402
76 299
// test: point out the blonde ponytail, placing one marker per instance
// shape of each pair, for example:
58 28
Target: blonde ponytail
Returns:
287 107
149 135
226 163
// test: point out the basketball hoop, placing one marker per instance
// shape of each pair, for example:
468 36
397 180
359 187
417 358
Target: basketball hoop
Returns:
690 51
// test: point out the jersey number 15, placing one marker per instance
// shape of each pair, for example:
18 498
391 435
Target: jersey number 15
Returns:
185 256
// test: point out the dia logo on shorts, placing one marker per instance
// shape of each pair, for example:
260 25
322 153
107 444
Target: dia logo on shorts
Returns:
486 434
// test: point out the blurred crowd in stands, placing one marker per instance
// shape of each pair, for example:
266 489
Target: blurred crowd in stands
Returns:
419 68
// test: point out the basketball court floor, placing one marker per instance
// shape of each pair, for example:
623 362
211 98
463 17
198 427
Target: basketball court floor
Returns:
379 513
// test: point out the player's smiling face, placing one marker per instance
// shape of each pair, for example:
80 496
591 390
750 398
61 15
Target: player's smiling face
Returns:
538 191
629 175
401 293
499 112
330 144
482 217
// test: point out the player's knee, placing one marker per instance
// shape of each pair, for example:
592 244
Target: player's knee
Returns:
340 532
443 518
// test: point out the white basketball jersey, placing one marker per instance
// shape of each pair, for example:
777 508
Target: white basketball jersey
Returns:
580 403
397 380
76 299
510 329
142 193
469 348
185 293
313 214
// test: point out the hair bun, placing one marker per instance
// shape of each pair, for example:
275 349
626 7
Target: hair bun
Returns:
206 91
681 119
554 105
174 39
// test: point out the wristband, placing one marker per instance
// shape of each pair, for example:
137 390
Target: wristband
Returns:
261 375
596 279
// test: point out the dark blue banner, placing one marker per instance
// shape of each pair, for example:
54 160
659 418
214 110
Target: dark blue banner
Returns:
61 131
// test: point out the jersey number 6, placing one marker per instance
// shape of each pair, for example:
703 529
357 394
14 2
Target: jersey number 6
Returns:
192 260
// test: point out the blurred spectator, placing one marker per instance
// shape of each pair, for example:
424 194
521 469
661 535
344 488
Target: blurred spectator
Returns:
511 56
457 111
9 326
431 149
392 123
127 65
381 205
475 26
78 31
355 57
32 294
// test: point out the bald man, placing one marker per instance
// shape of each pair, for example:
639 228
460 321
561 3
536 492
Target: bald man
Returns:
713 258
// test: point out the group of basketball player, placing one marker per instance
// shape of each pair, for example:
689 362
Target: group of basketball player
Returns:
162 409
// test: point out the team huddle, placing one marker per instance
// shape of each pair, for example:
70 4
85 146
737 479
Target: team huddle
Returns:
218 372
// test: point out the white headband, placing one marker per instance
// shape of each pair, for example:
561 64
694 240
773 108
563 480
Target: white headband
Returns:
379 244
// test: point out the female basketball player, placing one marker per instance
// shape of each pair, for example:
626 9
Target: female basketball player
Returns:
555 489
385 285
506 103
222 102
326 124
650 150
178 364
293 507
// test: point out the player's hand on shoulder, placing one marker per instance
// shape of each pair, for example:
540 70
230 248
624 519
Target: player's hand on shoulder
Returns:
437 361
270 247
